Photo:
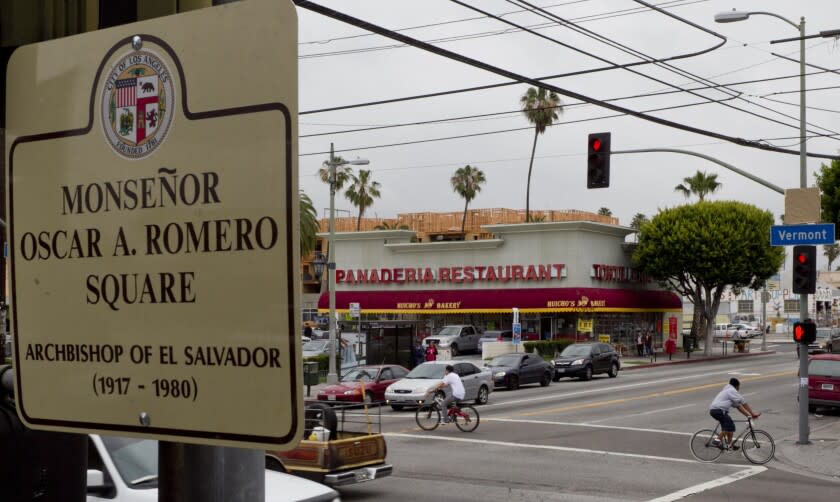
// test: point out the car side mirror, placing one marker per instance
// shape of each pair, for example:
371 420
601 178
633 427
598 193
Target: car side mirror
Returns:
96 482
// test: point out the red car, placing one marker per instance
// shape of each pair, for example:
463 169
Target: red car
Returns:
349 390
824 381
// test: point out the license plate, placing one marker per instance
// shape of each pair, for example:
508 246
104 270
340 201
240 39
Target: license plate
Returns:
331 397
827 386
560 370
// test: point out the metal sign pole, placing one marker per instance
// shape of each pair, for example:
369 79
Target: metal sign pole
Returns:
210 473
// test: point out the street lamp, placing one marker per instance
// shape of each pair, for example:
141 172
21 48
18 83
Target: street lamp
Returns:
318 265
332 376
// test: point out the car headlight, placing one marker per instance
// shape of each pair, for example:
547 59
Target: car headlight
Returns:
499 374
351 392
577 362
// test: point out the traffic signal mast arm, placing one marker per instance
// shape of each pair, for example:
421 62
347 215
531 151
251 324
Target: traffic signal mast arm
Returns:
766 183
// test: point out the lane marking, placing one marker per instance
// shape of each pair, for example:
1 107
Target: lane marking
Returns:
586 424
614 417
708 485
488 442
652 395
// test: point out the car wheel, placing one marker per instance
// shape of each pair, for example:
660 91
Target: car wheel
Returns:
397 407
812 408
546 379
483 395
368 398
513 382
613 370
453 349
587 373
273 464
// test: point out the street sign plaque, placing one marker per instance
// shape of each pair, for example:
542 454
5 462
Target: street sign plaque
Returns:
153 206
517 333
794 235
355 310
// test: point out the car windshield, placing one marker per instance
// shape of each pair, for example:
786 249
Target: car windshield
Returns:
509 360
357 374
823 333
450 331
576 350
135 459
824 367
315 345
427 371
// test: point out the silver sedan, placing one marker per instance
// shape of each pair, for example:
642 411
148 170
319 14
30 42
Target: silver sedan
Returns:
414 389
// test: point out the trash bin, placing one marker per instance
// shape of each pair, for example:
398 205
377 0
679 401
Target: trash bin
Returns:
689 343
310 373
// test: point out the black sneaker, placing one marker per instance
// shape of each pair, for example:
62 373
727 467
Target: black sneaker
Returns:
735 447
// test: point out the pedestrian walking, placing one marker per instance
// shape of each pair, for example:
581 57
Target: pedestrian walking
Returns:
431 351
648 344
419 353
640 344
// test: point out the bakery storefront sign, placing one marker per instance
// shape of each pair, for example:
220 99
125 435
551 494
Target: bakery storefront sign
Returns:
465 274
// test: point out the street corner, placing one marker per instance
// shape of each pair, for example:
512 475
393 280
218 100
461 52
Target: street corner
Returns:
820 458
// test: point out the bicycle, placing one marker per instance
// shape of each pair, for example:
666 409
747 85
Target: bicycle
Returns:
464 416
757 445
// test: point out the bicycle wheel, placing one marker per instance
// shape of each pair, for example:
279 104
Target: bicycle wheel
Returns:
758 447
427 417
468 419
702 447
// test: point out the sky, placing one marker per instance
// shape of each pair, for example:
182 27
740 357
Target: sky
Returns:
343 65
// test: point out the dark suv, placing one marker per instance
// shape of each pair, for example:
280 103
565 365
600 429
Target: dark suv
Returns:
586 359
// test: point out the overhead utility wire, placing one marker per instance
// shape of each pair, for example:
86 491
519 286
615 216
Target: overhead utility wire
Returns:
325 11
798 90
796 104
629 50
511 112
500 131
637 10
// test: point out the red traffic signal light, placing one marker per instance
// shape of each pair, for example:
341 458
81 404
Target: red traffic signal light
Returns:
804 332
598 160
804 279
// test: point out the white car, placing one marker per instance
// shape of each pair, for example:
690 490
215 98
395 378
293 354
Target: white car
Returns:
124 469
415 387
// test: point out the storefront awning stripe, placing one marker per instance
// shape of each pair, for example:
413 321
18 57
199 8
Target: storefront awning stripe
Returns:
489 301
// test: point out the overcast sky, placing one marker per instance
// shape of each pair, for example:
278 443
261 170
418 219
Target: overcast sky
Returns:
415 177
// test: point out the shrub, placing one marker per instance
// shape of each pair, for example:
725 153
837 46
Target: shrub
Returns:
323 362
546 348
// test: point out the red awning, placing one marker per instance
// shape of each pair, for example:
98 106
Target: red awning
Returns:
528 300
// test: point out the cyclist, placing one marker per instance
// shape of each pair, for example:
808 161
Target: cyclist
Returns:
719 410
453 381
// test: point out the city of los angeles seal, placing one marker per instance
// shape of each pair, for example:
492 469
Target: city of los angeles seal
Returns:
137 105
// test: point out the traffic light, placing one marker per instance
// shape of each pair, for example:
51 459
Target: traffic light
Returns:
598 160
804 332
804 269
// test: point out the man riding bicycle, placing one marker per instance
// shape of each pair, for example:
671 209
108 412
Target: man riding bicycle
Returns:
453 381
719 410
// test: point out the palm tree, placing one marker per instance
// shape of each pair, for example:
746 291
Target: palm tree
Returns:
541 108
390 226
605 211
701 184
831 252
308 225
638 220
361 192
342 172
467 182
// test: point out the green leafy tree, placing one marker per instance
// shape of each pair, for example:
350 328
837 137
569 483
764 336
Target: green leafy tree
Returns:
605 211
701 184
467 182
831 253
343 173
361 192
636 224
828 180
697 250
541 108
308 225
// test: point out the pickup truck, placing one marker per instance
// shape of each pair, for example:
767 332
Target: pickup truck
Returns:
342 445
457 338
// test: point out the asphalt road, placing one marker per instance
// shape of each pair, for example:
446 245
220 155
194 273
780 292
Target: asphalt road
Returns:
603 440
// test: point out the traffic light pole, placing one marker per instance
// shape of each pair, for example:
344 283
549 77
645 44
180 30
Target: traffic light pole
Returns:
804 428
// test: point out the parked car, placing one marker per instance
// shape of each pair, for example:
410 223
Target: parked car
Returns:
745 330
818 346
349 389
513 370
824 381
494 336
414 389
124 469
457 338
586 359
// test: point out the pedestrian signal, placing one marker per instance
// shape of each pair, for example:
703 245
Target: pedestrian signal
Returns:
804 332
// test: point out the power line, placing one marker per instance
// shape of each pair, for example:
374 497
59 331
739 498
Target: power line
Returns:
796 91
320 9
797 104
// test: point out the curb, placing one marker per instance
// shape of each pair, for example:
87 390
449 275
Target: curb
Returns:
698 360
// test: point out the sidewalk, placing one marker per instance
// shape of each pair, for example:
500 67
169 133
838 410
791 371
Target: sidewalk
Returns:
820 458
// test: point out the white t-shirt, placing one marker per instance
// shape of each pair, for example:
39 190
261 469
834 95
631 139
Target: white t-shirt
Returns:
454 383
